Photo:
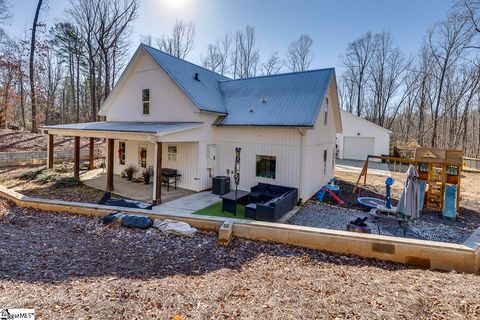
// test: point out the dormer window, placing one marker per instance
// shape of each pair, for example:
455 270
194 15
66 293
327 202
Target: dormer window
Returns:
325 120
146 101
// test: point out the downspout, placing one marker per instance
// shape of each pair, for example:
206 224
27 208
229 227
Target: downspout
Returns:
302 157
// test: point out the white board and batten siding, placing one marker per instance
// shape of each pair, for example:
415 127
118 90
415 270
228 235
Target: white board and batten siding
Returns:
361 138
316 142
299 158
186 160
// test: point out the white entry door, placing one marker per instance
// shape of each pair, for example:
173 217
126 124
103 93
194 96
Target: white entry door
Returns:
358 148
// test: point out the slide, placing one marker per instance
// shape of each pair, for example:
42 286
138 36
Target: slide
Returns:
450 203
324 190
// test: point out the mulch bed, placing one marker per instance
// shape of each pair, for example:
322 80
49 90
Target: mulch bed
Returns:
18 141
67 266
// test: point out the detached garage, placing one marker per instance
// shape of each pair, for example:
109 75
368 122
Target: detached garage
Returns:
361 138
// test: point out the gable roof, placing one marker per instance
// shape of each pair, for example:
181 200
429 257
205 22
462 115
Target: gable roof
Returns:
204 93
346 113
289 99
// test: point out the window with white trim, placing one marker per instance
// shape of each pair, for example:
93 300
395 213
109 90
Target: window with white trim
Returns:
172 153
325 120
142 157
146 101
121 152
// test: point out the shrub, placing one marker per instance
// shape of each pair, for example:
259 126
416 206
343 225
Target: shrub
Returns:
130 170
66 183
32 174
62 168
147 174
46 177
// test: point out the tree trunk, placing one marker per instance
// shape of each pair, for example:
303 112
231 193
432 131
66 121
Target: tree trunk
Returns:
32 66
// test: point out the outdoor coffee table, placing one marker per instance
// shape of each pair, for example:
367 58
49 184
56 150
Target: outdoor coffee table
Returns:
230 200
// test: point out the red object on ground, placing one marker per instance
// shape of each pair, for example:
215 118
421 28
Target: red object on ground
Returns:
334 196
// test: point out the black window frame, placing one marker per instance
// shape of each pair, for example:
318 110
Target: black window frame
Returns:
146 101
267 162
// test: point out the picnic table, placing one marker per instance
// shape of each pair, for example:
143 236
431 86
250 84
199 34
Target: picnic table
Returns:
230 200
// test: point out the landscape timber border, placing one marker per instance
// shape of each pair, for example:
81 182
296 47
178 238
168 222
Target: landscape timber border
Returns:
428 254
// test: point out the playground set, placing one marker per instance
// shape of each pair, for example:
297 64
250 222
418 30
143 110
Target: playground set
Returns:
439 175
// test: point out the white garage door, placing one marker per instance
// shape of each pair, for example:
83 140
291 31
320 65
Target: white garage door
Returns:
358 148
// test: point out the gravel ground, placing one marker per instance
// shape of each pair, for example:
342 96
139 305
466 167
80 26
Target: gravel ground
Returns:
428 227
70 267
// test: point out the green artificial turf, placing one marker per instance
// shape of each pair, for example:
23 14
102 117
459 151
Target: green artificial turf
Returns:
216 210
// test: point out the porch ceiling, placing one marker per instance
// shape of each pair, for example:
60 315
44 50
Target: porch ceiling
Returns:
110 129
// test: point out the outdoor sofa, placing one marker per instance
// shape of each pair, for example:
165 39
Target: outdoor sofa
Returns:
268 202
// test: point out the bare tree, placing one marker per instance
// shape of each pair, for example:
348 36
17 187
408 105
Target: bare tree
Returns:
446 41
273 65
181 42
299 54
4 16
32 67
217 57
146 39
356 61
114 20
387 73
245 56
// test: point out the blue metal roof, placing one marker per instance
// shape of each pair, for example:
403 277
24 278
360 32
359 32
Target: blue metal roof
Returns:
290 99
205 92
161 128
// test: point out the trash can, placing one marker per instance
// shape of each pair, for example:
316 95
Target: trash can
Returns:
220 185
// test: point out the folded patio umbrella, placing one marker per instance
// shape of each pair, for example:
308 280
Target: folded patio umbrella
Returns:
409 203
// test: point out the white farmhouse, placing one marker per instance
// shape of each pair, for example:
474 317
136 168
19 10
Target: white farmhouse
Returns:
169 113
361 138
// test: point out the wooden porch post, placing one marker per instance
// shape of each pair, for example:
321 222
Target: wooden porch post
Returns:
76 158
91 154
110 155
157 196
50 152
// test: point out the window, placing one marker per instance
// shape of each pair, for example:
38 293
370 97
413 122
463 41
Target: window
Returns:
172 153
325 120
146 101
121 152
266 166
333 158
143 157
325 154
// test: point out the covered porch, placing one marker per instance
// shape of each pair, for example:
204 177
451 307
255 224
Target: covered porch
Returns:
135 190
138 144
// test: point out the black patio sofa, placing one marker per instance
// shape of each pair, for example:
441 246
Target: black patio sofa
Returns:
268 202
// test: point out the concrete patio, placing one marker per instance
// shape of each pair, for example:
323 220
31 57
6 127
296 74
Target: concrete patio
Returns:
189 203
135 190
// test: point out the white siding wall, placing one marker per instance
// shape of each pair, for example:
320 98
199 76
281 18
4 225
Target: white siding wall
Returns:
282 143
167 101
186 163
352 125
315 142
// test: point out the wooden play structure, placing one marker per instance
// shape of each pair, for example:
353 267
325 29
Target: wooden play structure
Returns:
437 167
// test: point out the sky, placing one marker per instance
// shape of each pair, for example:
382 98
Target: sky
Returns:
331 24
